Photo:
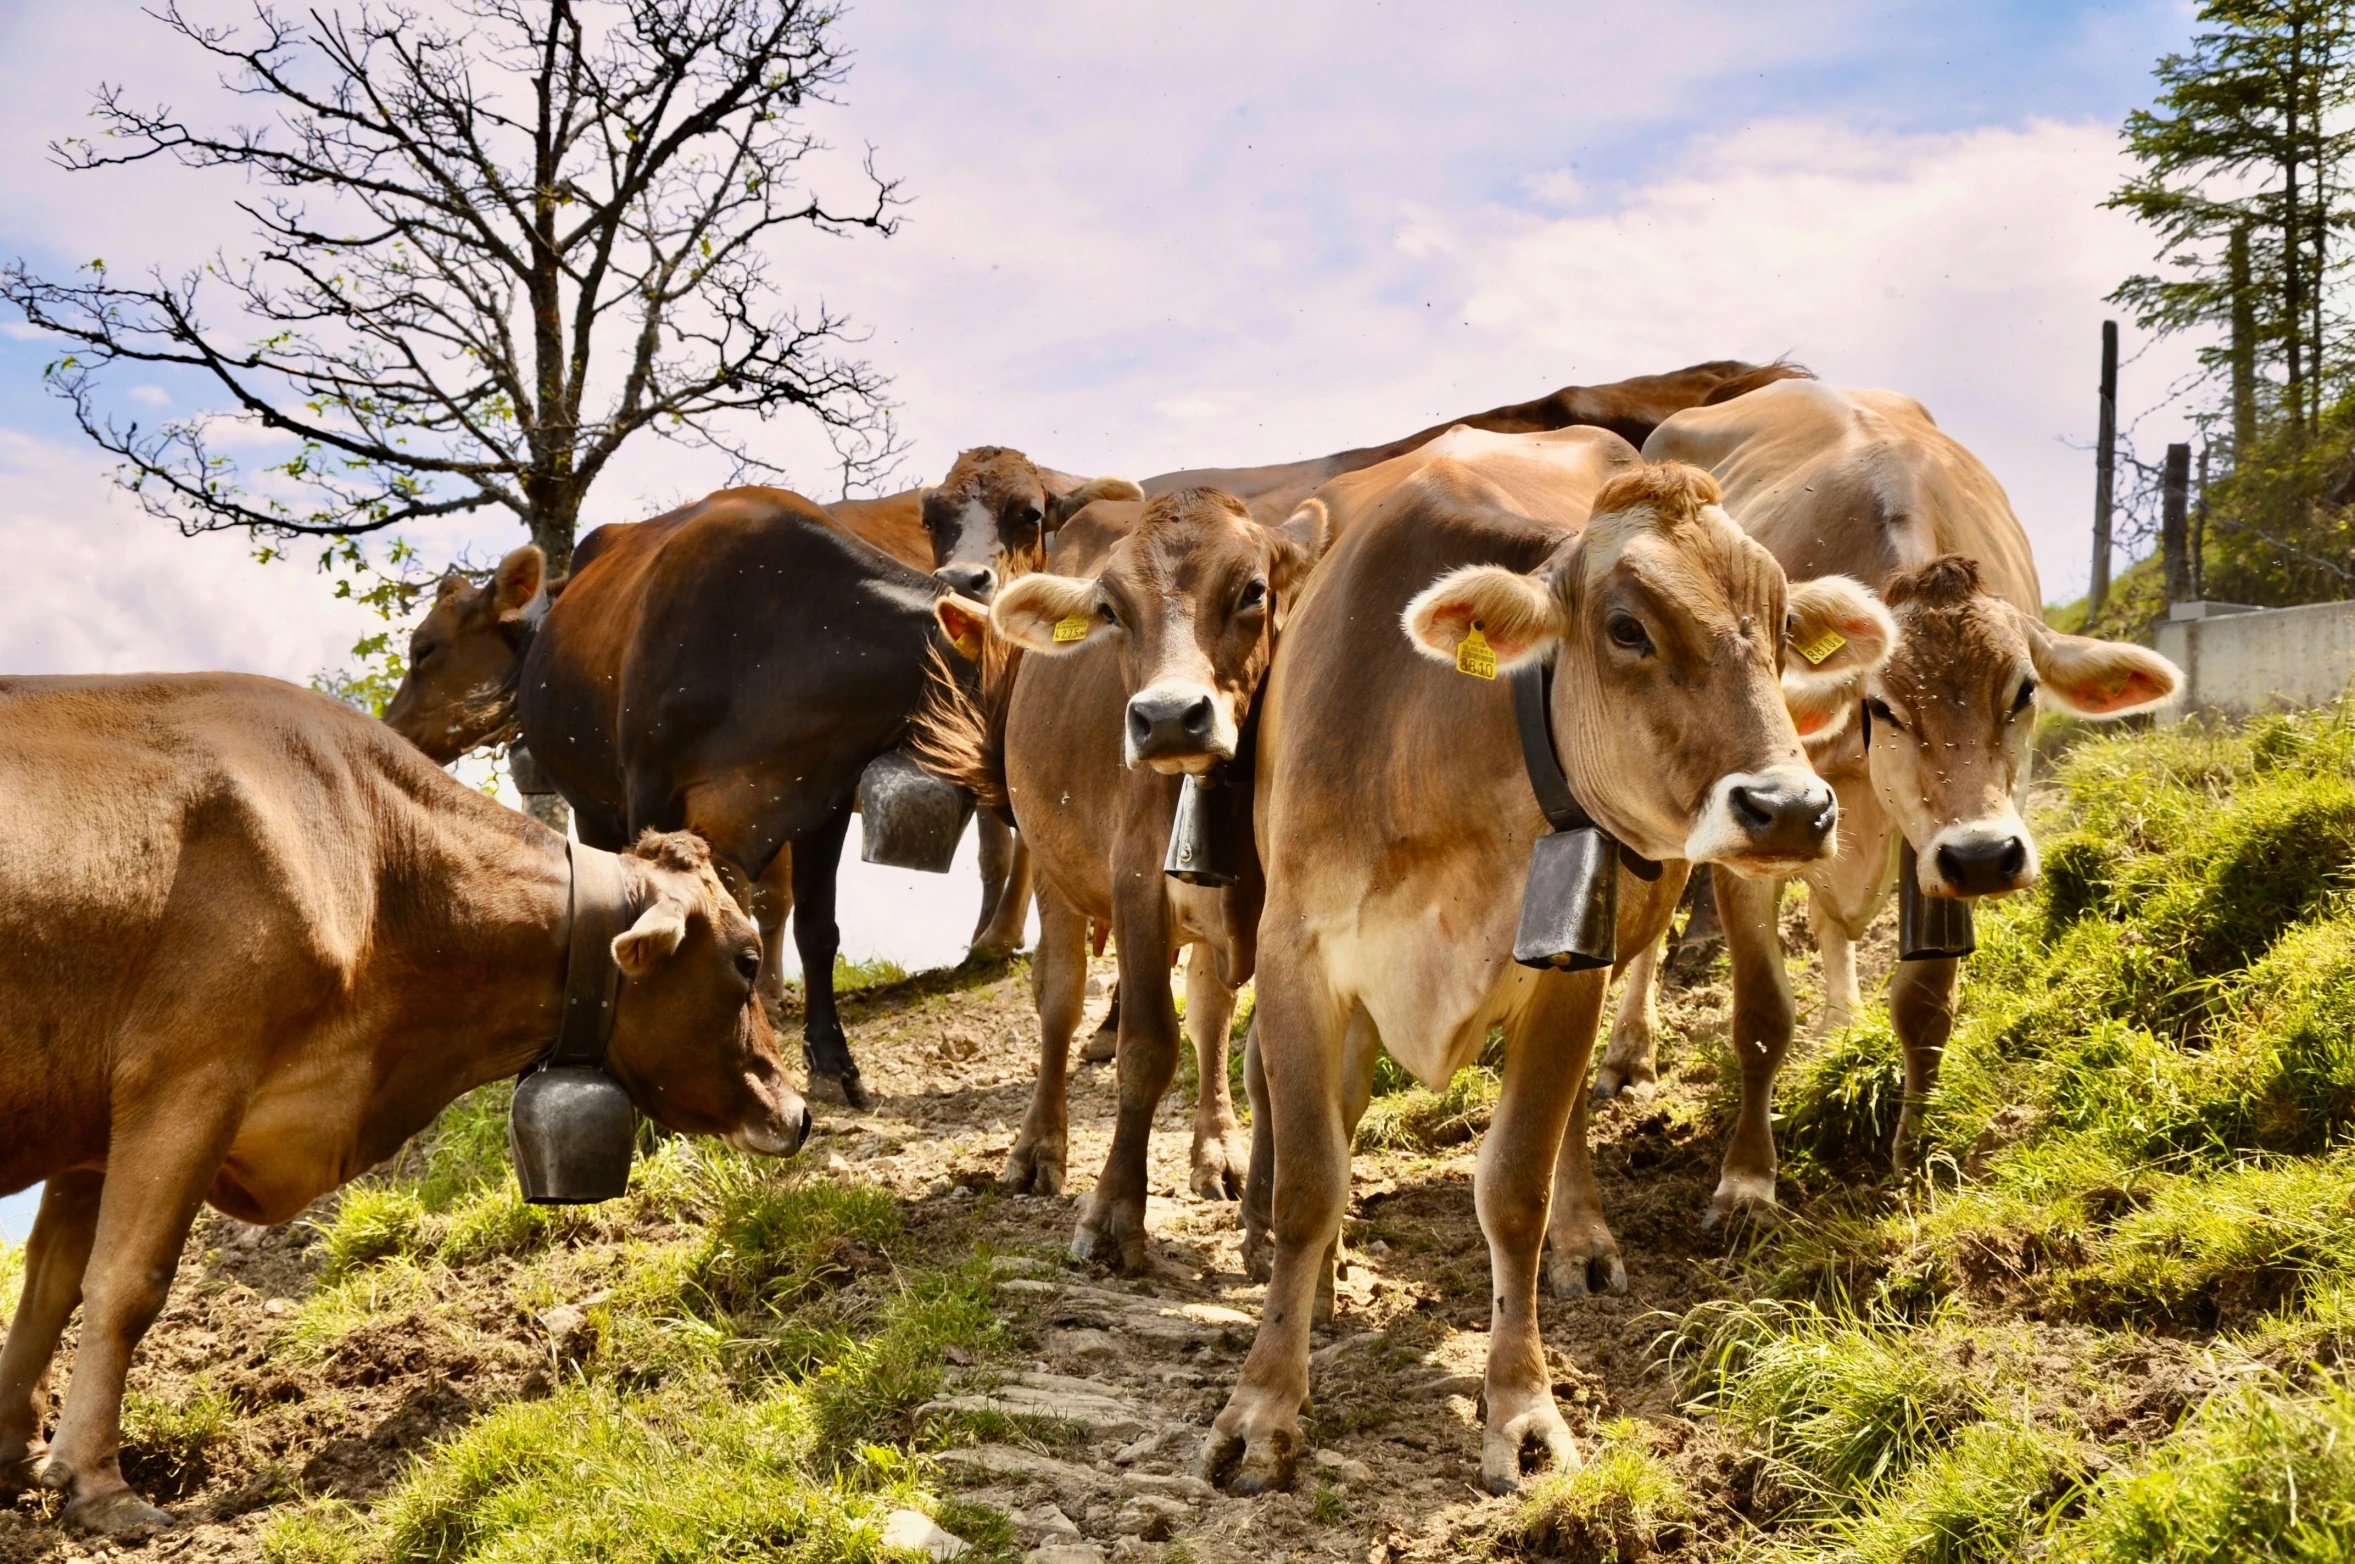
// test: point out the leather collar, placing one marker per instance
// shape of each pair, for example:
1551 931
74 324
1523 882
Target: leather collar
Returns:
1533 692
592 978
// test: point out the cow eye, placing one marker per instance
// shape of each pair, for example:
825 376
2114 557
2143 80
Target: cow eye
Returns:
420 653
1881 712
1031 516
2026 698
1627 633
1253 595
748 965
1105 613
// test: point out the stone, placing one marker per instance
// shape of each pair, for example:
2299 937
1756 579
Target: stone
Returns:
1065 1553
1050 1520
1014 1461
917 1532
1138 1448
1150 1516
1183 1487
1332 1463
1452 1385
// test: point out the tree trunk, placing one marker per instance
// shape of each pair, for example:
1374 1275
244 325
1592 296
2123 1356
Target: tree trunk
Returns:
555 516
2244 347
2292 240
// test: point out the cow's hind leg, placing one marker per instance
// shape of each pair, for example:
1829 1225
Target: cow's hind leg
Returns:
1005 887
55 1256
1104 1042
1921 1008
1255 1443
1764 1016
772 903
1036 1164
1631 1064
1221 1160
161 1157
1112 1230
1545 1072
817 858
1259 1183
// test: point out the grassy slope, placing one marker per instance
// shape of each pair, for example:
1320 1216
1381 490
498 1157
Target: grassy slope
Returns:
2107 1323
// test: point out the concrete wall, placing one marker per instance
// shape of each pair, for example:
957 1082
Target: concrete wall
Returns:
2262 660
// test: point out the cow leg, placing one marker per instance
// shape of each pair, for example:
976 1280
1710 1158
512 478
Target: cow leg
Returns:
1221 1160
1005 888
772 903
1545 1073
817 857
1060 971
1764 1016
54 1260
1255 1443
1581 1253
159 1163
1838 950
1105 1041
1260 1182
1113 1227
1921 1007
1631 1064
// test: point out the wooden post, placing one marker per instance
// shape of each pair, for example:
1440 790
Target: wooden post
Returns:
2174 537
2199 532
2105 473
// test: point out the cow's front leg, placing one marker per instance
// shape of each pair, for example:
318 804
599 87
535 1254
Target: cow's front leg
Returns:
54 1260
1545 1072
1254 1445
1260 1182
1036 1163
1221 1160
1763 1018
817 860
1581 1253
1113 1228
1921 1007
772 903
161 1158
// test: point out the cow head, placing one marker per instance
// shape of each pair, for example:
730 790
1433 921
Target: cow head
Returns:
1670 630
989 518
459 692
1193 597
1950 717
691 1040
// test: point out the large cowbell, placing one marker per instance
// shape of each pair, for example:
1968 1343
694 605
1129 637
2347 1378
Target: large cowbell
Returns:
1929 928
1206 835
1570 905
910 819
571 1131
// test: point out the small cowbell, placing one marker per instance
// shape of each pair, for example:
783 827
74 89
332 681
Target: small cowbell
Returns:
1205 838
571 1131
1929 928
1570 905
910 819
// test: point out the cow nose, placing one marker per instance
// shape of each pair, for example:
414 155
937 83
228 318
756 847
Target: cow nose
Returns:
974 581
1984 865
802 1137
1783 817
1169 722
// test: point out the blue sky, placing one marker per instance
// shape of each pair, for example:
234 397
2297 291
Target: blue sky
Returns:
1159 235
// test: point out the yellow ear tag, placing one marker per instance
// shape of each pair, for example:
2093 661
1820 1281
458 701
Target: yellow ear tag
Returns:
1473 655
1821 647
1073 628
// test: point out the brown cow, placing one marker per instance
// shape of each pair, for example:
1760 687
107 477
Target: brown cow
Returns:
1867 482
1144 655
1630 409
254 942
1395 818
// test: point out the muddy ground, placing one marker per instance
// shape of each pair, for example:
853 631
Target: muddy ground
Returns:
1146 1360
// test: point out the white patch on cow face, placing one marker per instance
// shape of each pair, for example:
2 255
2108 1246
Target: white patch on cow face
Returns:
1766 822
977 534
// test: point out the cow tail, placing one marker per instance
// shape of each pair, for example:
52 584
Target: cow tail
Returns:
959 732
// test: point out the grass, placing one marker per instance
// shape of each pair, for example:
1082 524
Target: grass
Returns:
166 1443
12 1275
1624 1504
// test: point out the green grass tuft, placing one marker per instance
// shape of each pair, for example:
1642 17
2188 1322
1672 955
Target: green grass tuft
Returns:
1418 1118
166 1444
1623 1505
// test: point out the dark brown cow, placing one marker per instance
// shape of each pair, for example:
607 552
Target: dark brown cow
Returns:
1143 656
1395 820
253 943
1630 409
731 669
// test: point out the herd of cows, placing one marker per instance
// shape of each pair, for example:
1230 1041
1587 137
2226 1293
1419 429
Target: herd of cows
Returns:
1729 616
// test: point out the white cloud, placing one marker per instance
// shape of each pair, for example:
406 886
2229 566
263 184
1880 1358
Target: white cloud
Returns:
152 396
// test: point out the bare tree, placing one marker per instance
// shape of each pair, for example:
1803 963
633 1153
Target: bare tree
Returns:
493 244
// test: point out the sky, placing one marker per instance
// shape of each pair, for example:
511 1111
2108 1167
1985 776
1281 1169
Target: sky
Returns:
1162 235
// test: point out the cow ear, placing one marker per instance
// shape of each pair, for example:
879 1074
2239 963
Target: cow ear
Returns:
517 583
1063 505
452 583
1837 634
1519 616
964 622
1299 542
649 942
1051 614
2087 677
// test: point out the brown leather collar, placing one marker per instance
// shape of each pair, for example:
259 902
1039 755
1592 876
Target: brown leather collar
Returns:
592 978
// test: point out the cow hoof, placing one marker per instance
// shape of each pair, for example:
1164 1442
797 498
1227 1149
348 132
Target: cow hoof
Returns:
1099 1047
1631 1082
22 1473
844 1089
119 1514
1539 1432
1248 1468
1034 1169
1221 1162
1576 1276
1111 1235
1742 1203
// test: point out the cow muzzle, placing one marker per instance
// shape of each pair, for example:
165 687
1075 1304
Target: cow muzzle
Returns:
1980 858
978 582
1178 727
1766 822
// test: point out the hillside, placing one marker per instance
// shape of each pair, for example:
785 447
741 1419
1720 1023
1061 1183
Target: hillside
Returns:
2106 1325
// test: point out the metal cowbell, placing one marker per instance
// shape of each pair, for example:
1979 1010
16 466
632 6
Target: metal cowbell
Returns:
1570 903
1930 928
1205 836
910 818
571 1131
